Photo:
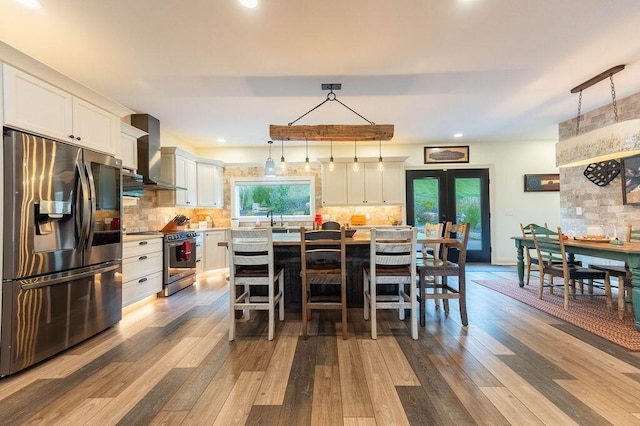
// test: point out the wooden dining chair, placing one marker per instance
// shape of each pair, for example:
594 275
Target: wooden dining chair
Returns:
323 269
622 273
433 273
255 283
550 246
392 263
530 261
431 249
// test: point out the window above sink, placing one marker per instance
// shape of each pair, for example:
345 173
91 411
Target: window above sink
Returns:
286 198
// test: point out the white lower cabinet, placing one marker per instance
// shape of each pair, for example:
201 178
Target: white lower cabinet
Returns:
199 252
215 257
141 269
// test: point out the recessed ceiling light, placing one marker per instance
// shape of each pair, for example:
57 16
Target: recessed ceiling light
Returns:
249 3
221 140
457 135
33 4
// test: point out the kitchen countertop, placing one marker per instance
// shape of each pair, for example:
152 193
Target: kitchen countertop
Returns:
139 237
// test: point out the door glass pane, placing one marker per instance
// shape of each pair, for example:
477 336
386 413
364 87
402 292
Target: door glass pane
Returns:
106 180
468 209
426 201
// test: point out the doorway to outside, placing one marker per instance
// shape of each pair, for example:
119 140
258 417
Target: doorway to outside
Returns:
457 195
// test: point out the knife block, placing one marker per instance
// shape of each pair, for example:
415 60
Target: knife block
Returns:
169 227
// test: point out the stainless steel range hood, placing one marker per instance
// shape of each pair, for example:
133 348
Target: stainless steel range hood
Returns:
149 160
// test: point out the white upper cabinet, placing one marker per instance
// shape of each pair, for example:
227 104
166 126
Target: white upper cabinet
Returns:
393 184
334 185
186 178
179 169
36 106
95 128
202 179
367 186
129 145
210 193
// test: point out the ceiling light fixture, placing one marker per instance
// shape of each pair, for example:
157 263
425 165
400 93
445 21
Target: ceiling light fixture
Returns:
337 132
615 141
269 166
355 165
331 165
307 166
249 4
283 165
457 135
380 163
33 4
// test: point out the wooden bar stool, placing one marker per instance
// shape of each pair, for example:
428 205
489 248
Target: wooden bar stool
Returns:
251 267
323 265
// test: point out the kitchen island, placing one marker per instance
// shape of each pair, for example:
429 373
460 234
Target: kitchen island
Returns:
287 254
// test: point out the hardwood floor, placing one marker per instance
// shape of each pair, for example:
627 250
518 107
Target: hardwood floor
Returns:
169 362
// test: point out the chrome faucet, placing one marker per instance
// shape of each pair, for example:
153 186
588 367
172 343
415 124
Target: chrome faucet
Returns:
270 214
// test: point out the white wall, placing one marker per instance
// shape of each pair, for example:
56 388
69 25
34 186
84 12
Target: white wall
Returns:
507 162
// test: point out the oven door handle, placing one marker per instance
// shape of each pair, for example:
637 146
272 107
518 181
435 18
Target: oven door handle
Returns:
179 243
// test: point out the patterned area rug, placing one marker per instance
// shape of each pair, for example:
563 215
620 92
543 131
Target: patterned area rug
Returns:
590 314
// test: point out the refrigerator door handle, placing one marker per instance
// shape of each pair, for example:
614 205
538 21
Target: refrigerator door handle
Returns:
65 278
84 223
91 203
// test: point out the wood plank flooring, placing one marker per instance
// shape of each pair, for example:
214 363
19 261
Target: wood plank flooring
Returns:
169 362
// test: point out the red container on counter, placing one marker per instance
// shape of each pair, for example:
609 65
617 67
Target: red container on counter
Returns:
318 221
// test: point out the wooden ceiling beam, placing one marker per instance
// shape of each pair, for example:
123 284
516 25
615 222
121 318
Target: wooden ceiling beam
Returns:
332 132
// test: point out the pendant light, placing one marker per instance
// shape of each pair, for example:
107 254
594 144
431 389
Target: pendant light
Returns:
355 166
269 166
380 163
331 165
307 166
283 165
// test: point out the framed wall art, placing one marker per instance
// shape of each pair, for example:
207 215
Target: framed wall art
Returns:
631 180
446 154
542 182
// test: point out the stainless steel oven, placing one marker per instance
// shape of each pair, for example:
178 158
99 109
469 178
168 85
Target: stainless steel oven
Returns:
179 261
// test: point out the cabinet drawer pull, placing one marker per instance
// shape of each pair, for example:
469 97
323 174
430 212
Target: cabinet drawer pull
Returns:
198 260
141 280
143 243
142 257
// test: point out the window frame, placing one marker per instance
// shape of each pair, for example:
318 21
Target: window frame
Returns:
279 180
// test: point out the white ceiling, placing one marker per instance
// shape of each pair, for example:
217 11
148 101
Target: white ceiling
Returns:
209 69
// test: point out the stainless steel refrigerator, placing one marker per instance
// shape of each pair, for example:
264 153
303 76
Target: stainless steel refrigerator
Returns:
62 251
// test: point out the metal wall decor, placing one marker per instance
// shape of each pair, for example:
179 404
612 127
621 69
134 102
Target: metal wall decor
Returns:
631 180
603 172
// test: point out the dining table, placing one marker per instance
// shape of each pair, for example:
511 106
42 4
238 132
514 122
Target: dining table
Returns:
286 248
628 252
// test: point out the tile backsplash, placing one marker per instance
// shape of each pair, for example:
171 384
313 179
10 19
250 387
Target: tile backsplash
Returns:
147 216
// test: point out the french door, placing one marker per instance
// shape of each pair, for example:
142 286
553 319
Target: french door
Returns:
457 195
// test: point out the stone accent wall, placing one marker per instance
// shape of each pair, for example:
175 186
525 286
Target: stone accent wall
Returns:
628 108
601 206
146 215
